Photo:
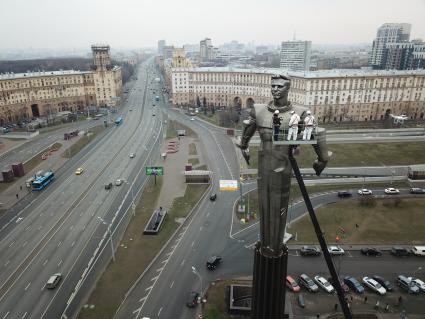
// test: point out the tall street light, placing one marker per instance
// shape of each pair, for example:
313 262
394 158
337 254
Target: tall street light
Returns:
110 236
199 276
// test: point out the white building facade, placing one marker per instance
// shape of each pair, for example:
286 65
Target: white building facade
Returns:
295 55
333 96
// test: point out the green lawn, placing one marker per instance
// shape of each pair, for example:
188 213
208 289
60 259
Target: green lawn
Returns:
193 161
83 141
377 154
380 221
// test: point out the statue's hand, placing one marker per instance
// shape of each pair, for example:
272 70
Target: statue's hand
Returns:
319 166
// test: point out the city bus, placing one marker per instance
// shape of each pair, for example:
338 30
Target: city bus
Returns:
118 120
42 180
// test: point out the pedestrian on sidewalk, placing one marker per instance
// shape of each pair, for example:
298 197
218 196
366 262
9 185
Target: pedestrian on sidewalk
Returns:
17 195
377 305
20 187
400 299
365 299
387 307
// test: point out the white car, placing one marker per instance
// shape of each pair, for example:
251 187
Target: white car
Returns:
132 155
324 284
336 250
364 191
374 285
391 191
118 182
417 282
192 118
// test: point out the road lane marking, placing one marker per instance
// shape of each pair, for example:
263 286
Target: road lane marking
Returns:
164 261
45 262
159 311
25 314
39 227
5 316
193 243
7 263
142 299
154 278
26 288
172 284
208 214
159 269
60 243
182 263
200 228
72 226
73 243
149 288
11 244
60 263
24 244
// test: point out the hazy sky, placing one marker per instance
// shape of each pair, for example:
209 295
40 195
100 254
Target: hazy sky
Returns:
141 23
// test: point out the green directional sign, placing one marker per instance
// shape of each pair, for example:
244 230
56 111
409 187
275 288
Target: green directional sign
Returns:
154 170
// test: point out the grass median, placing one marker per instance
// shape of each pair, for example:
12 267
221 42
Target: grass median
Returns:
136 250
172 128
373 221
376 154
83 141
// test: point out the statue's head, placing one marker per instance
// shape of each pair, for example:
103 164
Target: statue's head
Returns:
280 86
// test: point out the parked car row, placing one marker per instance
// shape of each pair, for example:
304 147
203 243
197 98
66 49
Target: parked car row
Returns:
376 284
368 251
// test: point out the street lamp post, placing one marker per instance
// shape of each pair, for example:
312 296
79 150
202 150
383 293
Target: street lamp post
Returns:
200 279
110 236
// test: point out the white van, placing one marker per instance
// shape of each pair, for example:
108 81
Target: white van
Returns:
419 250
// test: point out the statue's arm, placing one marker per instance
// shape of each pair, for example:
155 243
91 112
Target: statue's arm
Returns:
321 150
249 128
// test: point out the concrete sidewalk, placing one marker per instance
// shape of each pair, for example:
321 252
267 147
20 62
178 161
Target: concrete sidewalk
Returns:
174 184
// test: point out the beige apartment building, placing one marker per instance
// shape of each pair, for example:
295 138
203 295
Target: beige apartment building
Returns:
35 94
332 95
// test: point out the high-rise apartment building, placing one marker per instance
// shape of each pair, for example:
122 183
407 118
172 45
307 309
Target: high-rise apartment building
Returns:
205 50
295 55
388 33
161 45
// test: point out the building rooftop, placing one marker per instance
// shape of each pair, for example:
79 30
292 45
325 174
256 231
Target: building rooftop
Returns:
310 74
10 76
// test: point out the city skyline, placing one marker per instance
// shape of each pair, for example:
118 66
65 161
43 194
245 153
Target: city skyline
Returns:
128 23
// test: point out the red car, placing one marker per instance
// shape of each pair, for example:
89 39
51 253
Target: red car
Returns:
292 284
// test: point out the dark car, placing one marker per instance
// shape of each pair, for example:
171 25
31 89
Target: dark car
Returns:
108 186
192 299
344 286
213 262
309 251
370 251
385 283
399 251
344 194
354 284
417 190
308 283
213 197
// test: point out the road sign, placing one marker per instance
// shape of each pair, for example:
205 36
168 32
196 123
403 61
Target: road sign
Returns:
154 170
229 185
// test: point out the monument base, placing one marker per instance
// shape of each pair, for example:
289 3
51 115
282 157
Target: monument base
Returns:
268 291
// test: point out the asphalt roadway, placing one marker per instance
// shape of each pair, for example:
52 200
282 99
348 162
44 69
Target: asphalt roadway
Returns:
163 289
65 228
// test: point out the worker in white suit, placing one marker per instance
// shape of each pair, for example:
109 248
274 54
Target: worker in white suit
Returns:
308 126
293 126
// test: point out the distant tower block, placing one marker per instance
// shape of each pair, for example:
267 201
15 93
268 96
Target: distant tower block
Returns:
101 57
